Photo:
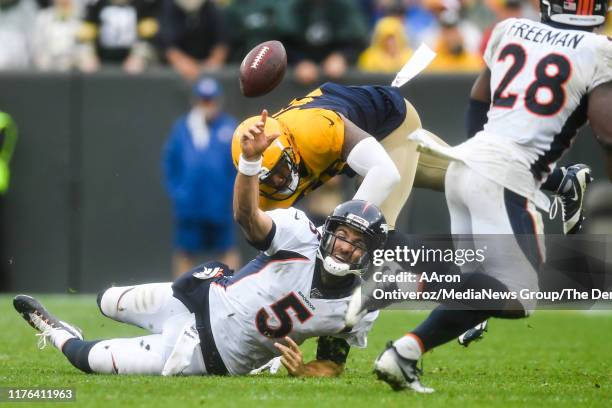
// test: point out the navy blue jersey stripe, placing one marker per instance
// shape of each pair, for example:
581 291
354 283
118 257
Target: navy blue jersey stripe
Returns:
257 264
561 141
523 226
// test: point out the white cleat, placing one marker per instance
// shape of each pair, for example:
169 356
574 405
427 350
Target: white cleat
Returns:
399 372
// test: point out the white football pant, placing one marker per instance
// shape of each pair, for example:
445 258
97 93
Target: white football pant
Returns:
479 206
153 308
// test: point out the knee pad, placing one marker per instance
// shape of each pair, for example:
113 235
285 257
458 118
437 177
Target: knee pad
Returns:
108 300
99 301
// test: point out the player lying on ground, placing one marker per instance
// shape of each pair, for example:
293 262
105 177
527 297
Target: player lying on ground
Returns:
208 322
544 81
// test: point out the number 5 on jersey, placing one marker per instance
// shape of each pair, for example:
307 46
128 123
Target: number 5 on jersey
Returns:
281 310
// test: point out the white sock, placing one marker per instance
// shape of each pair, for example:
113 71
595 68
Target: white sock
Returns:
409 347
56 336
59 337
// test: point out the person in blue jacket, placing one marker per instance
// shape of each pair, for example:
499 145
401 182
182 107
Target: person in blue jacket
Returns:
199 175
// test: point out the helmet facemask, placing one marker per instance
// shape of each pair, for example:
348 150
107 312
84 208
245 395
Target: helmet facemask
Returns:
286 170
357 255
359 216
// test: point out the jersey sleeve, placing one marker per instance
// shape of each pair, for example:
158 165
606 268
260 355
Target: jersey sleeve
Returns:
603 63
495 39
292 231
358 336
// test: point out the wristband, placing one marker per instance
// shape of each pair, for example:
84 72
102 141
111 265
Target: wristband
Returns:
249 168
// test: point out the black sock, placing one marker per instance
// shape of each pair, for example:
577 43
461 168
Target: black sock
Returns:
77 352
553 182
444 324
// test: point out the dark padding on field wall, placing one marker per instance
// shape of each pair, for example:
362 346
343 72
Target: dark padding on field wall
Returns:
86 208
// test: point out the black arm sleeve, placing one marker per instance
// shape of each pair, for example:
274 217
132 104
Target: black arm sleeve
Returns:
333 349
476 116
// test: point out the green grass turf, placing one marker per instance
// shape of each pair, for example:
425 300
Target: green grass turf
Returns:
550 359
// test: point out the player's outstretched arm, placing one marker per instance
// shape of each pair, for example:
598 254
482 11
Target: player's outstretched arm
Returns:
366 156
599 113
255 223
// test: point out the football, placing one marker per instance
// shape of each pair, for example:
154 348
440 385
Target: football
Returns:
263 68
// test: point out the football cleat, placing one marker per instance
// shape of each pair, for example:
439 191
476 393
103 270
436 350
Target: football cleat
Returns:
399 372
473 334
570 197
49 327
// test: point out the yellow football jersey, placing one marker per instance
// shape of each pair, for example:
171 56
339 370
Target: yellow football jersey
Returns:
317 129
319 136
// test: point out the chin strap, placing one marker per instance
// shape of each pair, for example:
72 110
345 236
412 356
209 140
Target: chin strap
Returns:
337 268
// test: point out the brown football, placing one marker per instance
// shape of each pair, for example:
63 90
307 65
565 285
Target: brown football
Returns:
263 68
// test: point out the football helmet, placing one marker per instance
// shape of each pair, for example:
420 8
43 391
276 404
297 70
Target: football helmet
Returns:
363 217
279 176
576 13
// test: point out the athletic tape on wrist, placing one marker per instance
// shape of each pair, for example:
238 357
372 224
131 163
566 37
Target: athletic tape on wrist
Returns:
249 168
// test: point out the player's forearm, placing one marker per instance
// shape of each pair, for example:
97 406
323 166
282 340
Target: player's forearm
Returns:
370 160
246 193
377 185
322 368
480 99
476 116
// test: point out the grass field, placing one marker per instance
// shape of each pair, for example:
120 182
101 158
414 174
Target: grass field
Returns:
551 359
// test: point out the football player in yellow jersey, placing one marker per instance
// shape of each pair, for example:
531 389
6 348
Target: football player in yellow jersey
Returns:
339 128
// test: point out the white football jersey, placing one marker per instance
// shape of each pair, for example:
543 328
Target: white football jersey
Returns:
540 80
279 294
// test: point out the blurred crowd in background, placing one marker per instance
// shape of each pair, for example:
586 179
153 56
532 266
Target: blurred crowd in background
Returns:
322 37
